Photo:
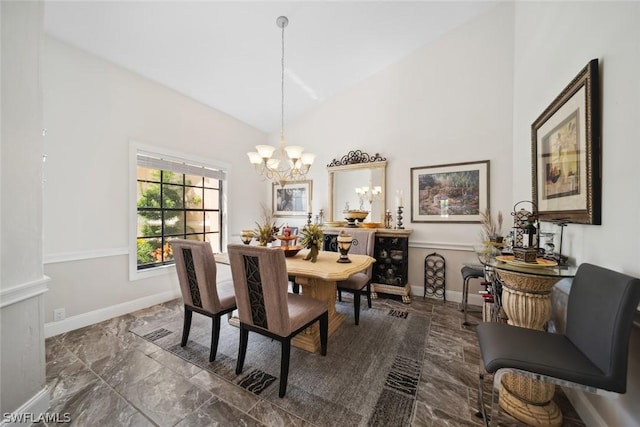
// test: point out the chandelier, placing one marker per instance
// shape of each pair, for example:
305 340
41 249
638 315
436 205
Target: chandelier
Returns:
285 163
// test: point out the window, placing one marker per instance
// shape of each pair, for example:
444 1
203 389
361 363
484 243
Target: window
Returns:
175 199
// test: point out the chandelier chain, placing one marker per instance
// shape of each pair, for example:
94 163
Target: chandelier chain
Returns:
282 89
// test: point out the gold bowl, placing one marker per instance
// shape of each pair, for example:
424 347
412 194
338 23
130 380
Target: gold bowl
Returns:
371 225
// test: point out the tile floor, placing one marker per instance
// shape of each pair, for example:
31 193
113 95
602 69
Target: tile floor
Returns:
104 375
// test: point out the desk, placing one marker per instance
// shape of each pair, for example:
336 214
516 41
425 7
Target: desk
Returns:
318 280
526 299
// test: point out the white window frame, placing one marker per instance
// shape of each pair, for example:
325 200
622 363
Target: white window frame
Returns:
136 148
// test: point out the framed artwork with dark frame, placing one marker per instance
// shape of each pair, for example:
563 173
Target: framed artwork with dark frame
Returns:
292 199
450 193
565 151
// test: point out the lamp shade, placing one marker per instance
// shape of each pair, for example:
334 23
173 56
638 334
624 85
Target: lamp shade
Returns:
254 158
308 158
265 151
294 151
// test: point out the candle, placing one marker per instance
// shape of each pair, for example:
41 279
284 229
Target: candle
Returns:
399 198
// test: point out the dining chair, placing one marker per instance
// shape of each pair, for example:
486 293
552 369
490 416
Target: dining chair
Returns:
590 355
201 292
266 307
362 244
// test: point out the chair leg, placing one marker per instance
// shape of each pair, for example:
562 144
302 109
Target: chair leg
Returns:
465 284
242 350
369 294
187 326
356 306
482 412
465 296
296 288
324 333
284 366
339 295
215 336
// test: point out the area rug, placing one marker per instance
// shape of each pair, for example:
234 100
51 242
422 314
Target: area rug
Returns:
369 376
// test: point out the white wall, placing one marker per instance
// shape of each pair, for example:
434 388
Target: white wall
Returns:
92 110
22 282
448 102
553 42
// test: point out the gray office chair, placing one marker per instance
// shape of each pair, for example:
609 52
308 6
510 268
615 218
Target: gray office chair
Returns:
591 355
201 292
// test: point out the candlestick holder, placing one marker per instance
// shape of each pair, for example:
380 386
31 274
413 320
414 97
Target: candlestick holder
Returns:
388 219
309 215
399 219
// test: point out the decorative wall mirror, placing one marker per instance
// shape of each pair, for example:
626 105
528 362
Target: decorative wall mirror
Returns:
357 181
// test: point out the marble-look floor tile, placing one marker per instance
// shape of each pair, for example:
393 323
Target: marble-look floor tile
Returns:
218 413
451 370
225 390
175 363
126 367
273 416
165 397
98 405
442 395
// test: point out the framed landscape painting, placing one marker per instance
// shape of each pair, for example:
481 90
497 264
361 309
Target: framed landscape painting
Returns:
291 199
449 193
565 153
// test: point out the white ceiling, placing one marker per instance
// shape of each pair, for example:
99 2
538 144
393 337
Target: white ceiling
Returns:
227 54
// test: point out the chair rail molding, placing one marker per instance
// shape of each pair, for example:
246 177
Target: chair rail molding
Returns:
24 291
86 254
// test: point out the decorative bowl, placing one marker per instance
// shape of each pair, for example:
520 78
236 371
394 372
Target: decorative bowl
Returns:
370 224
335 223
289 251
354 215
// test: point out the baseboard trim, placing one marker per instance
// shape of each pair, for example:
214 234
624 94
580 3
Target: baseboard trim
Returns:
29 412
106 313
588 414
23 291
455 296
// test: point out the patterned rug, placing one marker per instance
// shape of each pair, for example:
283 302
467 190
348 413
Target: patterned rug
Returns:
369 376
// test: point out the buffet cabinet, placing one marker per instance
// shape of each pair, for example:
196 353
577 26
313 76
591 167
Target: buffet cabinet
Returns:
391 251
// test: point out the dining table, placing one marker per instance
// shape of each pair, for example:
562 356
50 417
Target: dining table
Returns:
526 301
317 280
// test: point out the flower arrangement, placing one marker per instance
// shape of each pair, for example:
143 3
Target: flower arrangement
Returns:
312 240
266 230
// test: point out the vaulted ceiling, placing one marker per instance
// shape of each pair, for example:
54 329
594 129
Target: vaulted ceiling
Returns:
228 54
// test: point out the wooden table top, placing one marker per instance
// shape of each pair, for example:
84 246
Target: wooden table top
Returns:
325 268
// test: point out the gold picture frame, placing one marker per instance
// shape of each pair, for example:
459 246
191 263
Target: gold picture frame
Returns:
292 199
565 150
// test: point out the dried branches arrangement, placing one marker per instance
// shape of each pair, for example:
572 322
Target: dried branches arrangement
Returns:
490 229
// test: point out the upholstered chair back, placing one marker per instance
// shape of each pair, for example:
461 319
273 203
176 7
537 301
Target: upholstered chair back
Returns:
363 243
600 313
196 267
261 285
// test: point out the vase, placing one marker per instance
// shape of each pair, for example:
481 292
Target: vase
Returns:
313 254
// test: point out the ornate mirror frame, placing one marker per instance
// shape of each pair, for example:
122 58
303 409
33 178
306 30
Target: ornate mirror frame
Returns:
353 161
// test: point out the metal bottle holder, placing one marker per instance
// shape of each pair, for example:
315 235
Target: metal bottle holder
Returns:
521 251
434 275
